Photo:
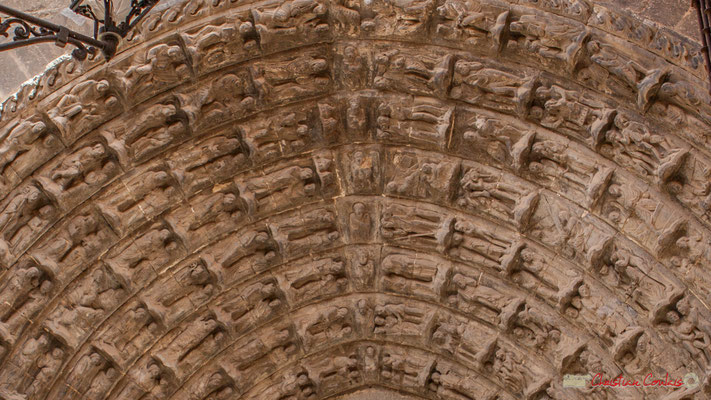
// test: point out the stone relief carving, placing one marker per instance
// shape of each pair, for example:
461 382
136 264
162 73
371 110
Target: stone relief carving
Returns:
377 207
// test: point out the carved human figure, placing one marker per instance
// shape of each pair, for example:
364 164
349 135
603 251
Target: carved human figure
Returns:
321 278
402 370
421 119
552 37
23 138
102 383
398 319
475 296
364 171
25 292
221 205
447 333
215 45
85 169
278 188
473 22
150 248
312 230
87 105
421 177
332 324
685 329
281 25
360 223
26 211
189 286
197 341
479 84
163 65
255 250
148 194
362 268
419 74
208 161
92 298
47 368
229 96
127 333
293 77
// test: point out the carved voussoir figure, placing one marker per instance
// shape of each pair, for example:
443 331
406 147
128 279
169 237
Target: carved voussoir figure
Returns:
151 71
313 279
185 348
292 76
481 25
155 128
24 146
127 332
242 253
83 172
26 213
172 296
143 195
487 86
225 41
83 108
245 307
291 23
420 175
362 168
403 20
410 72
549 37
138 259
420 120
198 166
42 358
88 300
218 100
82 238
208 215
22 296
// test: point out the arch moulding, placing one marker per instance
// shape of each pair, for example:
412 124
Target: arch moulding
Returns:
433 199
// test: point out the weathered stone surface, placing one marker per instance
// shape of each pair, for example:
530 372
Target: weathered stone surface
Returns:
304 199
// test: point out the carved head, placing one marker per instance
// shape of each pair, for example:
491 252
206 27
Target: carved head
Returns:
95 359
350 52
673 317
359 209
102 87
31 276
57 353
683 306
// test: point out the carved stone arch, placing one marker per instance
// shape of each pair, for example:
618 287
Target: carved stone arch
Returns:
490 195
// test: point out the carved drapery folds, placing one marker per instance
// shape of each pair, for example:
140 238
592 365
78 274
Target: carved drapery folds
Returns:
298 199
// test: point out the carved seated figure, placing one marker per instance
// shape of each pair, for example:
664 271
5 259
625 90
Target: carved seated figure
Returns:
28 212
292 78
22 139
685 329
86 106
163 64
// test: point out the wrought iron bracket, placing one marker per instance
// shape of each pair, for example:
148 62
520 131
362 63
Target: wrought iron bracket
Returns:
29 30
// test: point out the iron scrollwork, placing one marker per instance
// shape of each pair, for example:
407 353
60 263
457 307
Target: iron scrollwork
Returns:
29 30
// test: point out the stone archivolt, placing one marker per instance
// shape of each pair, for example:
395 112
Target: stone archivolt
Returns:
447 199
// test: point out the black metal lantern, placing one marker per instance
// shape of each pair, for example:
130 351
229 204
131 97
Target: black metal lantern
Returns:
113 19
